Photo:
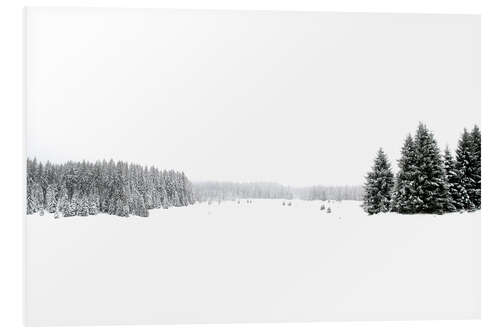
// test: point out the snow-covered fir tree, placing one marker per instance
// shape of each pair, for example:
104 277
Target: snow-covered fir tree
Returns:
69 208
453 181
31 204
467 172
431 191
476 165
404 199
378 186
50 198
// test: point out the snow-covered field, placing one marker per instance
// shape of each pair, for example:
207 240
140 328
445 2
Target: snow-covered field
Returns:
262 261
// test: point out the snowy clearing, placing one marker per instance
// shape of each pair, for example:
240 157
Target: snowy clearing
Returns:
258 261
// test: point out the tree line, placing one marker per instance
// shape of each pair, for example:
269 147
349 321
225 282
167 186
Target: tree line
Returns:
85 188
427 182
206 191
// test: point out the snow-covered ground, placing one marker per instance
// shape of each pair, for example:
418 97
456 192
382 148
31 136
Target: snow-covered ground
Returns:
262 261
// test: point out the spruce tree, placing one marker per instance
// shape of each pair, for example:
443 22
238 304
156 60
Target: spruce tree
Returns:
62 200
453 181
404 200
378 186
51 201
37 197
31 205
69 208
93 205
467 169
431 190
476 166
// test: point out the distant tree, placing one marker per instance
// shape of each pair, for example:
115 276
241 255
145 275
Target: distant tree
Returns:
378 186
204 191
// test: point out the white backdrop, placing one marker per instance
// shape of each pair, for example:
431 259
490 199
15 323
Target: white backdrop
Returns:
12 175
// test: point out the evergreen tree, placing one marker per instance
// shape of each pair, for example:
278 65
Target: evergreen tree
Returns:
93 205
69 208
37 198
82 205
431 190
476 166
454 187
404 199
378 186
467 171
51 200
31 205
62 200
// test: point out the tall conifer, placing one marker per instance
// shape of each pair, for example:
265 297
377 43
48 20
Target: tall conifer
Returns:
378 186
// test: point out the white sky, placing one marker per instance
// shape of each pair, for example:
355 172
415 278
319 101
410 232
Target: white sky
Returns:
296 98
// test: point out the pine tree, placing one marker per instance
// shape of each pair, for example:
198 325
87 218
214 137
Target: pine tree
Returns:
82 206
404 198
454 187
466 169
51 201
476 166
31 205
69 208
93 205
62 200
37 197
431 190
378 186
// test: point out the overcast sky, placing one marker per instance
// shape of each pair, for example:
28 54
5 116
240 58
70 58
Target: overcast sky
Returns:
296 98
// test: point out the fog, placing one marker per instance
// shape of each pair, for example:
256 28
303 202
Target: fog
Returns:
298 99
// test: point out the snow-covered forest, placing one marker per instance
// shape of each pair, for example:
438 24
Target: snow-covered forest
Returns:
84 188
123 189
427 181
204 191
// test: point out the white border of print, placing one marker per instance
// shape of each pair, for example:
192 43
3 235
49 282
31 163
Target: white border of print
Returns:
12 137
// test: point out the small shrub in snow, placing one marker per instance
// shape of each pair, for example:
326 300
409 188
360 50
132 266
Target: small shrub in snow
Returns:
322 207
329 210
